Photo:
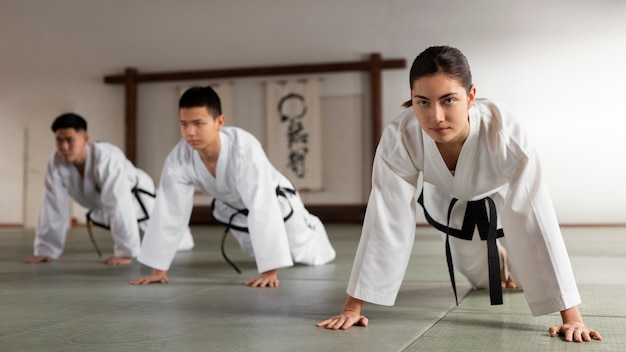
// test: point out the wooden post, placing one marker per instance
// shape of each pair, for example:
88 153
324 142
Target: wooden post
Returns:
376 97
130 113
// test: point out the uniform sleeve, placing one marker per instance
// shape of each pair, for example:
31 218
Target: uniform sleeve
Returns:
117 201
170 216
256 185
534 241
389 226
54 216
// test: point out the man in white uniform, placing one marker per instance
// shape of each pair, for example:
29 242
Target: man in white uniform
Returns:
99 177
255 201
479 171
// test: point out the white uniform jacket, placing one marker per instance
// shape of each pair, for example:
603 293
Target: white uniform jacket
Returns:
496 160
245 179
105 188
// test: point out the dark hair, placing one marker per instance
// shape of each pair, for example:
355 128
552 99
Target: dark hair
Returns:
69 120
441 59
196 97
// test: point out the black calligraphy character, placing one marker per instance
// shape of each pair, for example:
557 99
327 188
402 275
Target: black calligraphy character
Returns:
296 136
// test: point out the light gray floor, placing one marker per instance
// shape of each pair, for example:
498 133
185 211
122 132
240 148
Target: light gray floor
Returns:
79 304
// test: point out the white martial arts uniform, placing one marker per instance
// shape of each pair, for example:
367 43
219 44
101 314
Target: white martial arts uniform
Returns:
245 179
111 187
496 161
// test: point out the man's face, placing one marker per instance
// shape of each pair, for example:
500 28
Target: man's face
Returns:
200 129
71 144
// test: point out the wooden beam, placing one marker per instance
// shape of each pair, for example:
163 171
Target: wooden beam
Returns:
262 71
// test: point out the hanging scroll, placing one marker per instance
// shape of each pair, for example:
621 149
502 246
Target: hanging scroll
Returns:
294 140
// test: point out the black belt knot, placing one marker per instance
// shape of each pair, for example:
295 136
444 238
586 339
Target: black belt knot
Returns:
280 192
475 217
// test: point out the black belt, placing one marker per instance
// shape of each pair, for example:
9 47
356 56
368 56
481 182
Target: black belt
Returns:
475 216
136 191
280 192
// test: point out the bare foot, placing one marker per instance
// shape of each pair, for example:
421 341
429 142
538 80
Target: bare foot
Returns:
507 281
115 261
37 259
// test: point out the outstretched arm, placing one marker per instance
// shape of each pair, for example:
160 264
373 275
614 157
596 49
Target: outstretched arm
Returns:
573 328
53 220
171 212
351 315
255 182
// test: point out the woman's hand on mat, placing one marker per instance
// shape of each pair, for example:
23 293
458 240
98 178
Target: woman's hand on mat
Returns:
573 328
266 279
37 259
118 261
158 276
350 316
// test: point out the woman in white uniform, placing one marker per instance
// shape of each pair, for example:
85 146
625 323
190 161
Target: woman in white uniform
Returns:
99 177
257 203
482 187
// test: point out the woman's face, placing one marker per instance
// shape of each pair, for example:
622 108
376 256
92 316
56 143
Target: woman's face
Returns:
441 105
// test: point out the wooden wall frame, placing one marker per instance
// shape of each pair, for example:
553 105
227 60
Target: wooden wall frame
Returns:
374 66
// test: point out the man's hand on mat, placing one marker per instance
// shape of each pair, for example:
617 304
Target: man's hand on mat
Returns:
118 261
344 321
350 316
266 279
37 259
158 276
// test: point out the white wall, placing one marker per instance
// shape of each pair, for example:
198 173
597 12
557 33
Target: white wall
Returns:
559 64
13 138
